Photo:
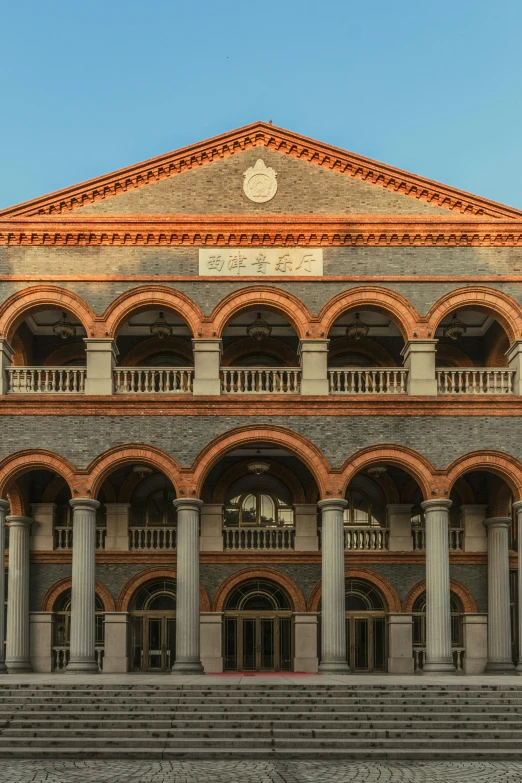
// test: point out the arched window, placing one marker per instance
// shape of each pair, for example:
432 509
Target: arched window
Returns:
359 510
64 515
258 595
158 595
157 510
258 507
351 360
165 360
258 360
62 620
361 596
419 621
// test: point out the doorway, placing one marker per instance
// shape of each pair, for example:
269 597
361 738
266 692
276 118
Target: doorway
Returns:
153 626
366 642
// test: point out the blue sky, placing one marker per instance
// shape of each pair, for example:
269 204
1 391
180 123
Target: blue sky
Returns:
434 88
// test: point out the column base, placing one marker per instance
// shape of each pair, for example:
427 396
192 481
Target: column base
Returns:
3 668
500 667
439 667
82 667
187 667
13 667
518 667
334 667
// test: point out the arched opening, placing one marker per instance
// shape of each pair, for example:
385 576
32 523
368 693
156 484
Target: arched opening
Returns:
62 630
153 625
258 627
419 630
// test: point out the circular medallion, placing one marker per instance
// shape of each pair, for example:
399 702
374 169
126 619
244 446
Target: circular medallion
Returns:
260 183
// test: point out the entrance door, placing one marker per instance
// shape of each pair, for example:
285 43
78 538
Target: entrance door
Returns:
366 642
154 643
258 643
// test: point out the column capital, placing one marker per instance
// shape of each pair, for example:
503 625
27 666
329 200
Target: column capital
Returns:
399 508
517 506
332 504
313 344
15 521
497 522
437 504
101 344
4 506
188 504
207 344
87 504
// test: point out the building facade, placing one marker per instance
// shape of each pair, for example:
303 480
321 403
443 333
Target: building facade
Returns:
261 408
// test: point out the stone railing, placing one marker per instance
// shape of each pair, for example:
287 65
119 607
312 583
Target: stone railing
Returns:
46 380
419 656
153 380
455 539
258 538
374 381
152 537
366 538
61 657
63 537
260 380
479 380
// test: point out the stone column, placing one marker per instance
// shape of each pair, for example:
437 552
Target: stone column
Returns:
419 359
17 655
101 361
116 647
333 622
439 657
473 516
514 357
117 536
82 654
499 619
306 538
42 530
314 366
517 508
211 528
6 358
207 355
4 510
399 524
187 604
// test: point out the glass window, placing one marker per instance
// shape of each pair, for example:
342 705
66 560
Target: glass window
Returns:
157 511
257 508
258 595
62 620
156 595
359 510
419 621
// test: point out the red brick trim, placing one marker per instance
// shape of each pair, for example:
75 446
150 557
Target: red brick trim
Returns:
158 572
367 348
131 454
152 346
18 505
272 574
381 299
401 456
453 356
41 297
153 297
261 297
66 353
467 600
54 592
20 355
503 465
270 346
496 303
497 355
388 592
11 468
238 471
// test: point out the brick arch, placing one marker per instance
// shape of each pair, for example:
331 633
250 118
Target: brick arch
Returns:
238 471
385 588
66 353
154 297
302 448
20 355
18 505
157 572
469 605
134 453
270 345
364 347
409 460
262 297
498 463
271 574
152 346
11 468
42 297
453 356
54 592
499 305
497 355
52 490
384 300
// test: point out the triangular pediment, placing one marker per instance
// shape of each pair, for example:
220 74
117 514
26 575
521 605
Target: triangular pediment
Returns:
311 178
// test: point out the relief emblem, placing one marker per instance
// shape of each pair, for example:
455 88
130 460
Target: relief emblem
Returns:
260 183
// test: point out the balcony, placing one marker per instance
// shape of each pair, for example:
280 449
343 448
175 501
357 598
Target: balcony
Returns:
479 380
63 538
455 539
392 380
46 380
153 380
365 538
152 538
259 538
261 380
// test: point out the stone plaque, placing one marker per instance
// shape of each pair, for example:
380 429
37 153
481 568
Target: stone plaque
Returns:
260 183
261 262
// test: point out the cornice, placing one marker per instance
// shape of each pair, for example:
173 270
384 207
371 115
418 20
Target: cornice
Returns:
261 134
258 230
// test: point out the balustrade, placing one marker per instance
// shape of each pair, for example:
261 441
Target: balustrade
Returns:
478 380
366 538
46 380
152 537
61 657
258 538
261 380
419 656
63 537
374 381
153 380
455 539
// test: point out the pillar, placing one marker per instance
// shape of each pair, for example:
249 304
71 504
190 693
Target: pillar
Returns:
117 535
419 360
517 508
211 629
514 357
305 642
499 618
4 510
42 530
187 603
116 647
207 355
6 357
211 539
333 622
400 644
475 629
473 516
306 538
101 361
439 656
41 641
399 524
17 655
82 652
314 366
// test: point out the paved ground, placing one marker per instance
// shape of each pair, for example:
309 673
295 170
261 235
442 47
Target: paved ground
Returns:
258 772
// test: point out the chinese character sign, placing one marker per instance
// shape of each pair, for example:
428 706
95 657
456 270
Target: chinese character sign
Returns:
261 262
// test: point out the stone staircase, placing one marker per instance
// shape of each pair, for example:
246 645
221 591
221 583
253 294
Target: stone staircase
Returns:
198 721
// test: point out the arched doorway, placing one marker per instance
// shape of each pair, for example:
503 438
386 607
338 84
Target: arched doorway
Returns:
62 630
419 630
153 614
365 627
258 628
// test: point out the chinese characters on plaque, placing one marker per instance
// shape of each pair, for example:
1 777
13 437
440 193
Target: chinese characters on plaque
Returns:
261 262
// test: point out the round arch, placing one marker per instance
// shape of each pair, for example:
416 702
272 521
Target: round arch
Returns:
297 444
400 456
40 297
262 297
135 453
384 300
271 574
154 297
22 462
148 575
238 471
503 465
496 303
60 587
270 346
388 592
367 348
466 598
152 346
453 356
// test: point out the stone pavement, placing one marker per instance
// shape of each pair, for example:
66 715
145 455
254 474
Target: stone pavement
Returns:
258 772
